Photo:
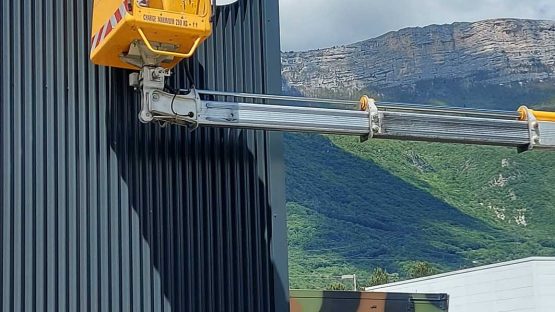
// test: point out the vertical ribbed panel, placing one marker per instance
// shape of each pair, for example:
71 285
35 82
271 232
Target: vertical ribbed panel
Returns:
100 212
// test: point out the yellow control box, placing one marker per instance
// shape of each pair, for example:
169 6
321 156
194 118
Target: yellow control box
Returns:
172 29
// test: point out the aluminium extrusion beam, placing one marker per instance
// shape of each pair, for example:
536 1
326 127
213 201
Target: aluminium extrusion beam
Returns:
377 120
392 124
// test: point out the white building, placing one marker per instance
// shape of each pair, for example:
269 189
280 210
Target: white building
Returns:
526 285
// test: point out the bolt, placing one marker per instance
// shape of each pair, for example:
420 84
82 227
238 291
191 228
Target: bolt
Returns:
155 97
536 139
535 125
375 128
145 117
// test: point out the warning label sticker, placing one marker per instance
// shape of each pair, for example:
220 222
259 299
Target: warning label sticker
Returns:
168 21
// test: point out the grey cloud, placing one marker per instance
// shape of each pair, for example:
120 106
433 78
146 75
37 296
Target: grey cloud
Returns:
310 24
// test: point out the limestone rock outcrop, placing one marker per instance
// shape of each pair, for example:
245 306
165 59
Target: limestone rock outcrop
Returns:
492 51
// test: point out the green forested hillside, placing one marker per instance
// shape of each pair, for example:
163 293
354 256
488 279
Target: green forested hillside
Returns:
353 207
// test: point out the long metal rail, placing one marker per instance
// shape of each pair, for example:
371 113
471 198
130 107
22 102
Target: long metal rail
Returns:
395 120
365 118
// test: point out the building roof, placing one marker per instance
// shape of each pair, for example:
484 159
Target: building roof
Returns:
465 271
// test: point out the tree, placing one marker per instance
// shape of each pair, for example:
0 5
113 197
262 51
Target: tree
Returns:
417 269
379 277
336 286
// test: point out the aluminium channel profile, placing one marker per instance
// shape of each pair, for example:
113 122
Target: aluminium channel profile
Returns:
367 118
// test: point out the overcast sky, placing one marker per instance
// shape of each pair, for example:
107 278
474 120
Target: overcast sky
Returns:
311 24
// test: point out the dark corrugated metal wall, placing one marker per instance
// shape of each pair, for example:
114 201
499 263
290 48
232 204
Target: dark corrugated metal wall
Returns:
100 212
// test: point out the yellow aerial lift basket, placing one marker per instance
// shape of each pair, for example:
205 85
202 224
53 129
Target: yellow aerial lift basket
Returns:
127 34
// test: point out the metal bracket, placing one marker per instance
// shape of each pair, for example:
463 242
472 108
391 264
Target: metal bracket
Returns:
157 104
374 121
533 130
139 54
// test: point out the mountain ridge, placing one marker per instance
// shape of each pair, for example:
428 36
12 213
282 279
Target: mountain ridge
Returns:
350 204
495 51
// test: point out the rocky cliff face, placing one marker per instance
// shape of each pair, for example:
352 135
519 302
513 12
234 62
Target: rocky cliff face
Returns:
492 52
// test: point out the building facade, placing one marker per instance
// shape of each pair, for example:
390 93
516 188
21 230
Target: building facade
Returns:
102 213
